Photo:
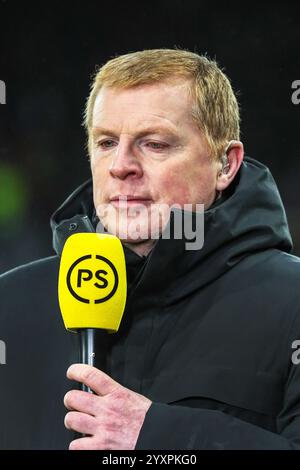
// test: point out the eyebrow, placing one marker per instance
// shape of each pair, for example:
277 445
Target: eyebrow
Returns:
142 132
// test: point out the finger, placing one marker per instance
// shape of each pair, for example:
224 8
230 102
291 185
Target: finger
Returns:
80 422
82 401
86 443
94 378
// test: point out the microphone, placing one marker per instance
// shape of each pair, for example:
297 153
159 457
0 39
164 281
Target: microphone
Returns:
92 288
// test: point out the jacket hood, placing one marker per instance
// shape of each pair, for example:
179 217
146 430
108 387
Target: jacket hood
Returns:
249 217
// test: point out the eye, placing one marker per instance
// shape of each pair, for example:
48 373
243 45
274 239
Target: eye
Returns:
105 144
158 145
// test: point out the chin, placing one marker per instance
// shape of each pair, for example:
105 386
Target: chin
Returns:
134 231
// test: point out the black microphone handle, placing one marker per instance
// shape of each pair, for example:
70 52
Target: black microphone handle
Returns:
87 350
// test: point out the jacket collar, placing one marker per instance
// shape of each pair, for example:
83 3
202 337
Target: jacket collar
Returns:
247 219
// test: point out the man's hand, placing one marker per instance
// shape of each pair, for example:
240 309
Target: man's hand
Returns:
112 417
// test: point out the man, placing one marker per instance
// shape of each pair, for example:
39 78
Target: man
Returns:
205 355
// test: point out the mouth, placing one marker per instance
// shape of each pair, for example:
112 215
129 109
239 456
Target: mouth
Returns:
125 201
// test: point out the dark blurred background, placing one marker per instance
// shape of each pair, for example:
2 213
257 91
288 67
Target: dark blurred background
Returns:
48 52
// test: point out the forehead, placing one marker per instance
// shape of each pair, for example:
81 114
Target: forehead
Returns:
159 102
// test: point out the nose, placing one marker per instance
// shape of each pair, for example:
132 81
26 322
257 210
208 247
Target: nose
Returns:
124 163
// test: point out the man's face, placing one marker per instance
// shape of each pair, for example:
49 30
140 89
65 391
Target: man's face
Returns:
147 154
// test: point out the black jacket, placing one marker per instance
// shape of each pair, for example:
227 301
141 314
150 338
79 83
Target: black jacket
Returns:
207 334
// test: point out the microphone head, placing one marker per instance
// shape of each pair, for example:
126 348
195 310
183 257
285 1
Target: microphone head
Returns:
92 282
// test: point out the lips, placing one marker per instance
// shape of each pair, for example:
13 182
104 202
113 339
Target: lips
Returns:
128 197
129 200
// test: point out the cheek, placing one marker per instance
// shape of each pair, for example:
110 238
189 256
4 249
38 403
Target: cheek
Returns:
97 169
174 188
186 187
99 177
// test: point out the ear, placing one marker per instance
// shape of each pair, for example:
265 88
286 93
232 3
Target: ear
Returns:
235 155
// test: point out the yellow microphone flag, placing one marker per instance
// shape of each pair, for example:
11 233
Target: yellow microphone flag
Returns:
92 282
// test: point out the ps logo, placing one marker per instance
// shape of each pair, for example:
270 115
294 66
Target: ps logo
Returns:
94 277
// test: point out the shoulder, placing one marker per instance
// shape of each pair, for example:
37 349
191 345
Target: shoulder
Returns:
30 287
269 281
286 262
33 270
274 267
283 269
